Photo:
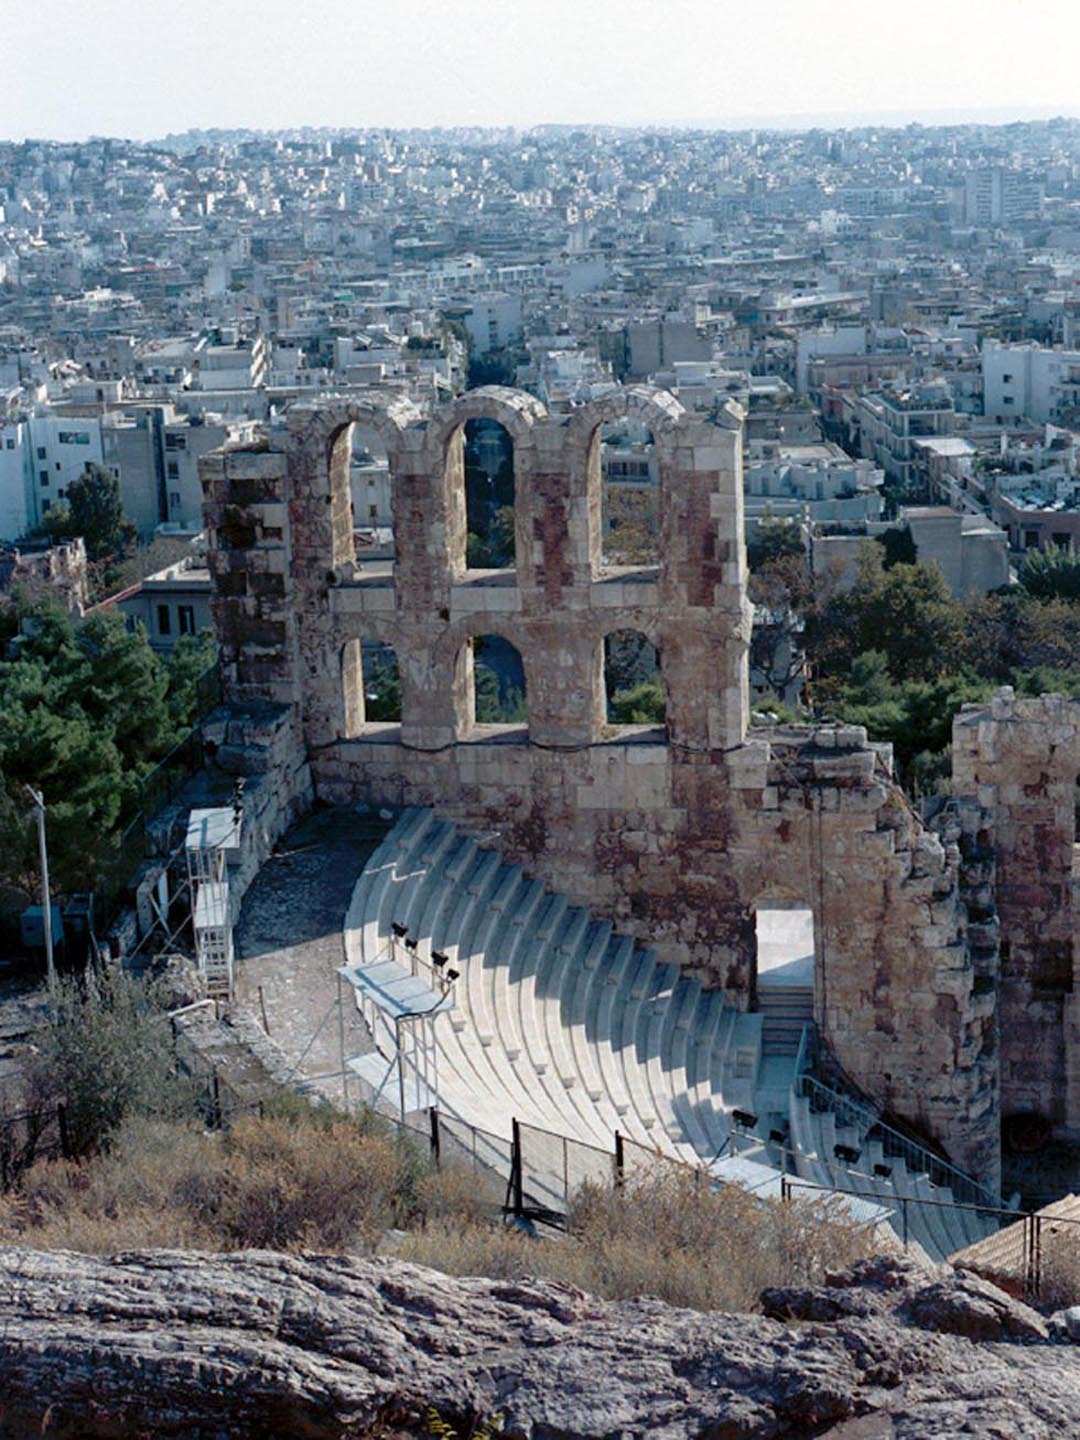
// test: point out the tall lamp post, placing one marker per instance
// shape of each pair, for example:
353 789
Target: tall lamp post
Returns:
46 902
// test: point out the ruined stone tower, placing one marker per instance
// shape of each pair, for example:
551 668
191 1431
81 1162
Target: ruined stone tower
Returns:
680 833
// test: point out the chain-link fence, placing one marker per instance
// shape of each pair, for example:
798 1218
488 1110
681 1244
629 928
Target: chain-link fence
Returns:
551 1168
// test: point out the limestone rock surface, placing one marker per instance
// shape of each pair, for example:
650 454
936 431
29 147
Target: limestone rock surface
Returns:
174 1344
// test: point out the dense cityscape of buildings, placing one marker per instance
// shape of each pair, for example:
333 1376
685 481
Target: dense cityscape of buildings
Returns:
896 310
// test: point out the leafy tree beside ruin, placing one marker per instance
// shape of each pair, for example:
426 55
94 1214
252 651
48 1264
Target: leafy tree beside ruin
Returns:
94 510
86 711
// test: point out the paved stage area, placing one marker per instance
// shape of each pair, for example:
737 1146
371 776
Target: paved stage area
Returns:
289 941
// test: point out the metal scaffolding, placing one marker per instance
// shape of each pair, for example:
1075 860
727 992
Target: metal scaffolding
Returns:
211 836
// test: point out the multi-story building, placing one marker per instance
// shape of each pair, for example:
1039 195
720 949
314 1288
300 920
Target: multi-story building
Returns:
994 195
816 482
59 451
153 451
889 422
1030 382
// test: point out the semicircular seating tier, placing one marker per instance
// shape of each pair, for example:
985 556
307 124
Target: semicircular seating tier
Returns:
560 1022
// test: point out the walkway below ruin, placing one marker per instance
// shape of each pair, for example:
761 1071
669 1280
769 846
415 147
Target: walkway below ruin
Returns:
289 942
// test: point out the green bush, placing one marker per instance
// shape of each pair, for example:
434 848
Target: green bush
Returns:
106 1053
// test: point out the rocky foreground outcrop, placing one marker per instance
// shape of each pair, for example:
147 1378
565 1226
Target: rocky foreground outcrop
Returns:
176 1344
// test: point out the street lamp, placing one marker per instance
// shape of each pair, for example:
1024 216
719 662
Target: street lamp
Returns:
46 904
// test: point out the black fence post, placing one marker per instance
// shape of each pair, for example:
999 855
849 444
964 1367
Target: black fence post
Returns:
620 1161
1033 1247
517 1180
903 1211
436 1151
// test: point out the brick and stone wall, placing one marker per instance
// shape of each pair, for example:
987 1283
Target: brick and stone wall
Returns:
1021 759
678 832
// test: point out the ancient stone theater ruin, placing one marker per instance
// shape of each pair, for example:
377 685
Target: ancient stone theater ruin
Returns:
677 839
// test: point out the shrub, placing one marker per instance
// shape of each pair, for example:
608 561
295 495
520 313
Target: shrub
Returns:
290 1186
106 1052
1059 1281
313 1181
663 1234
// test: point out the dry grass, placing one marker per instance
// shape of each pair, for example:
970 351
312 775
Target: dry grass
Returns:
317 1181
285 1184
661 1235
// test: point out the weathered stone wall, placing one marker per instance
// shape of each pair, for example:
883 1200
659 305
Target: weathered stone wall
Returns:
57 572
1021 759
680 832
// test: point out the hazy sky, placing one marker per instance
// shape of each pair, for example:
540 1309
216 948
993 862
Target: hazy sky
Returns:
141 68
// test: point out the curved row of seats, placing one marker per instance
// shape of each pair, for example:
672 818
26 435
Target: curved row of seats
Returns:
558 1020
932 1217
567 1026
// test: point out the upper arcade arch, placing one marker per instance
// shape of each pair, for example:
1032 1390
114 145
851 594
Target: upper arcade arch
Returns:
321 438
657 411
518 413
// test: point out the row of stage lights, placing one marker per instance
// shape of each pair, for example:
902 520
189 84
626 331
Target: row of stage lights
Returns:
440 961
846 1154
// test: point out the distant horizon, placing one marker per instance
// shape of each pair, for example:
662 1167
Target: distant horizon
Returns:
991 116
514 64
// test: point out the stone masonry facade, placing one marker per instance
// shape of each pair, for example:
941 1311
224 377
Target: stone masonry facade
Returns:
1021 759
677 832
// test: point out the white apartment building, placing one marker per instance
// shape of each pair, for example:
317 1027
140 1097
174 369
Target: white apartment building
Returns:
815 482
233 365
1030 382
58 450
994 195
889 422
15 493
493 321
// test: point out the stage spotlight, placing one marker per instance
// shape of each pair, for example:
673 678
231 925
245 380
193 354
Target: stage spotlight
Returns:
883 1172
744 1119
846 1154
411 943
452 975
438 959
400 931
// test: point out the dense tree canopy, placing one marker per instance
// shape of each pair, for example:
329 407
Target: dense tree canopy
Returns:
85 713
1051 574
894 650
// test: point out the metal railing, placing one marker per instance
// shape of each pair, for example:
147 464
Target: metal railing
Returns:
917 1158
1032 1250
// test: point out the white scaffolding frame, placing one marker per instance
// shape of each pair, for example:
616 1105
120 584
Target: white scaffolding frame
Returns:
211 835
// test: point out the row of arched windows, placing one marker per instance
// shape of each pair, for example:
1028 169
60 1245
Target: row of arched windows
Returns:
633 685
629 480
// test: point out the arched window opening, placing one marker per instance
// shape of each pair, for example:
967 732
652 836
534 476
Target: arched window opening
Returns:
498 682
489 496
632 681
371 687
630 494
784 936
369 486
382 682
